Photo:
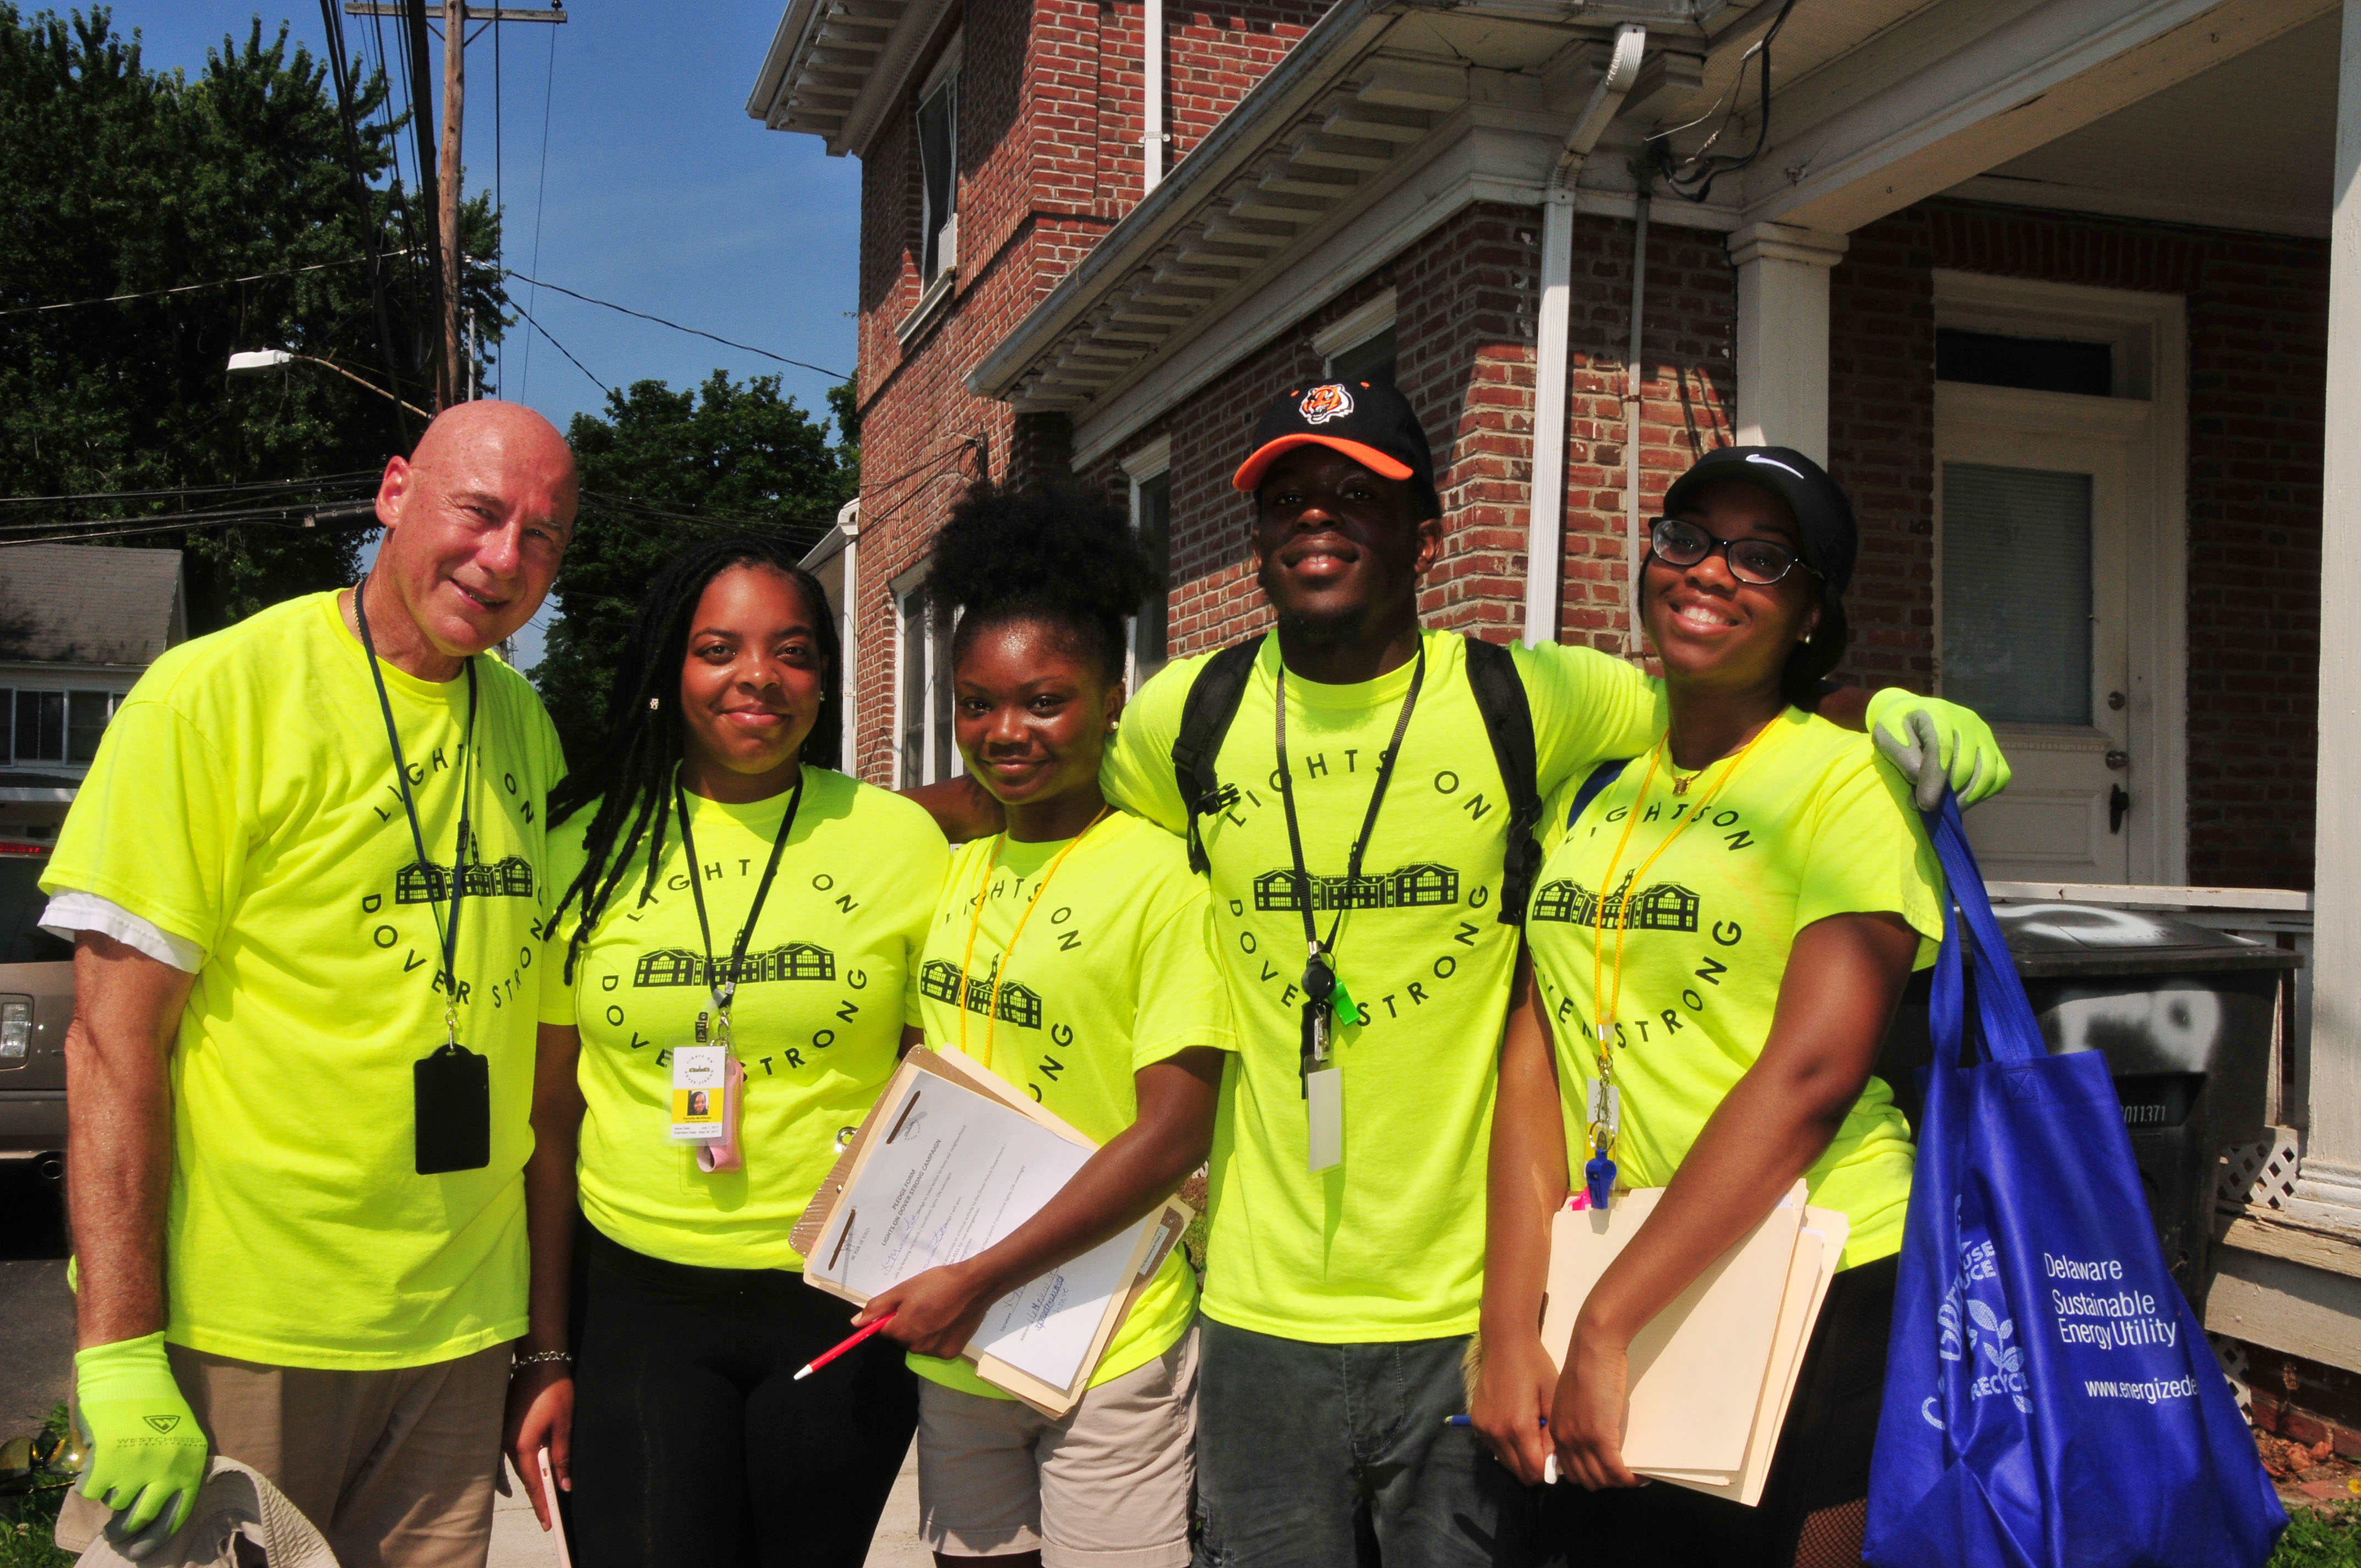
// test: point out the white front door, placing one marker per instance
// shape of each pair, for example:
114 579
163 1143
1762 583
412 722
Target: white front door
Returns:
2039 516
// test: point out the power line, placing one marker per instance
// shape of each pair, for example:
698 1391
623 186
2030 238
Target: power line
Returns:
540 191
318 480
693 332
187 288
561 348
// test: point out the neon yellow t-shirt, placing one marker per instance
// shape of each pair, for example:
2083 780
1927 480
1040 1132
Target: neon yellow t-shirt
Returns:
1112 972
1809 827
1389 1245
244 799
829 984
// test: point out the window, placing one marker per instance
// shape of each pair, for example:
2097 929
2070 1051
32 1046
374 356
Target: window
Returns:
53 726
1359 346
927 753
2030 364
2016 593
1151 519
939 170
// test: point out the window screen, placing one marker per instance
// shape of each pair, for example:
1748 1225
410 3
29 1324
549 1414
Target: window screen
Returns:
86 716
937 155
1371 359
913 654
41 727
2016 593
1154 522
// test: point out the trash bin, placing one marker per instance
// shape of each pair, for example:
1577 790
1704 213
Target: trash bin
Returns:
2184 1016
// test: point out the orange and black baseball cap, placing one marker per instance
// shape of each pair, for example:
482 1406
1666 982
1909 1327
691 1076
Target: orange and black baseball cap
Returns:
1368 421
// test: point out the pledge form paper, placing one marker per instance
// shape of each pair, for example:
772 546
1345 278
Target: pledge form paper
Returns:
955 1173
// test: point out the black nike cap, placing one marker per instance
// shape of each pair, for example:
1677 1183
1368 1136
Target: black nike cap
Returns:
1822 513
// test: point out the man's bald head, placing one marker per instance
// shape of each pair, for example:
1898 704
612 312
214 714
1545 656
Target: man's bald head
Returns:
476 520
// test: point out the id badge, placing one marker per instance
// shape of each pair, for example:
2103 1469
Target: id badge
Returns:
699 1094
1606 1106
451 1106
1323 1105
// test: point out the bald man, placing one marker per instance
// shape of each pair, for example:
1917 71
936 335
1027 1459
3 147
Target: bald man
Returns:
304 880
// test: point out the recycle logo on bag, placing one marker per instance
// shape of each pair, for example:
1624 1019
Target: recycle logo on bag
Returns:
1968 1328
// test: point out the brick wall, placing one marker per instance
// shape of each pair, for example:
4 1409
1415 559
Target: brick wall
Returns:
1466 297
2257 310
1050 126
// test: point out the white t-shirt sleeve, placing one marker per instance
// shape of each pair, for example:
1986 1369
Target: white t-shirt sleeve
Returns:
70 912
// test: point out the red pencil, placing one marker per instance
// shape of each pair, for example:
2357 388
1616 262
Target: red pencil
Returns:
828 1355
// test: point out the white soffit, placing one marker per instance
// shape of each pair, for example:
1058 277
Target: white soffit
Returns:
2247 145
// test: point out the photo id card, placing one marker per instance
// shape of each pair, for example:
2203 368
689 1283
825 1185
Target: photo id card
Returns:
698 1078
1324 1104
451 1110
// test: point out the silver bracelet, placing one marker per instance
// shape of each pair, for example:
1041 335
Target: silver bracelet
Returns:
541 1358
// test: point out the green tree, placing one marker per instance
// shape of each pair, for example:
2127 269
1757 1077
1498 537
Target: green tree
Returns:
121 180
660 470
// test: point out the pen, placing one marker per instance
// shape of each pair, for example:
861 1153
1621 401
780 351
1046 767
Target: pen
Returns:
824 1357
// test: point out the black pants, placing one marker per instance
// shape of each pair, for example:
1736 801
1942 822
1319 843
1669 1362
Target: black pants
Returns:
692 1442
1814 1503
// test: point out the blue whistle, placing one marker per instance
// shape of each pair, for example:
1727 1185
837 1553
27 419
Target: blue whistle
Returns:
1598 1176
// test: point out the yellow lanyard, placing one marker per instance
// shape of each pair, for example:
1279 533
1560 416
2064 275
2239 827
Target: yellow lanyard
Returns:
1605 1003
1008 952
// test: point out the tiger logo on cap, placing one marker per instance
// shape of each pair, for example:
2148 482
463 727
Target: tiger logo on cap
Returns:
1322 404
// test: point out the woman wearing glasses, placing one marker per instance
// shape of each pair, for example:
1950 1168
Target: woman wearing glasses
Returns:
1721 932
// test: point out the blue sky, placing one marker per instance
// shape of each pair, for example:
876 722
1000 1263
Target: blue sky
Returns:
661 192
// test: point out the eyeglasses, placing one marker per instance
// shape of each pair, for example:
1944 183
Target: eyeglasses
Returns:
1762 562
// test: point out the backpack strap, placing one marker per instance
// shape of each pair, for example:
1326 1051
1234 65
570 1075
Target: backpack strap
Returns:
1508 720
1205 715
1602 775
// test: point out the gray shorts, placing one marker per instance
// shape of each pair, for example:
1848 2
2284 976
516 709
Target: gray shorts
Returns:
1107 1485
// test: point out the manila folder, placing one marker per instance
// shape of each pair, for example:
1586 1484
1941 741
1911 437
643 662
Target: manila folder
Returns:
1697 1369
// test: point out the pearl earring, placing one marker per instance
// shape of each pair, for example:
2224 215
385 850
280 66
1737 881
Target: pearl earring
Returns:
651 705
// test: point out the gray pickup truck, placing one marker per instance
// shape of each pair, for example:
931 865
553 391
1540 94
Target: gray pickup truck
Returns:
37 1001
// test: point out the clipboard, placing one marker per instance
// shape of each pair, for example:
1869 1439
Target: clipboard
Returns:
1154 1237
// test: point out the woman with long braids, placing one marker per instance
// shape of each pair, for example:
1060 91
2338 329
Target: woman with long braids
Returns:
1069 954
1720 934
722 889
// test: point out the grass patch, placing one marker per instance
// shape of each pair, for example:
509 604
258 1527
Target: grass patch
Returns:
2321 1538
28 1518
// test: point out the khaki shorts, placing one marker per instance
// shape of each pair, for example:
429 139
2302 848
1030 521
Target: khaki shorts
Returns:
394 1468
1107 1485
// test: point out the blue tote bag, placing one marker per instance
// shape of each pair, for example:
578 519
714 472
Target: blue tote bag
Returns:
2050 1399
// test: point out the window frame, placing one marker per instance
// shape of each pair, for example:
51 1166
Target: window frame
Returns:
938 747
1143 468
938 234
1357 329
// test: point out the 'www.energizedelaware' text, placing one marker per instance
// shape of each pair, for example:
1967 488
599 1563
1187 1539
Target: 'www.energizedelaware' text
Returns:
2151 1392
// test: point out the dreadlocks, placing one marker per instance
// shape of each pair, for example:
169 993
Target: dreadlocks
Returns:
1044 553
629 774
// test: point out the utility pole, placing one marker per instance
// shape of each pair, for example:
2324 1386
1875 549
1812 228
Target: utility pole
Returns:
454 377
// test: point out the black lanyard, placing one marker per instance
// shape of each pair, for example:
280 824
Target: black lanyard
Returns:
1320 979
726 987
449 930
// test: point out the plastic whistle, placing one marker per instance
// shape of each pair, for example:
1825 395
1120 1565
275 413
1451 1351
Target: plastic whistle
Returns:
1598 1177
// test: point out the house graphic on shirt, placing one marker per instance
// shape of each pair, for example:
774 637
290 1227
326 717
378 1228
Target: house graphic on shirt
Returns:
791 960
1407 887
1019 1004
1666 906
511 877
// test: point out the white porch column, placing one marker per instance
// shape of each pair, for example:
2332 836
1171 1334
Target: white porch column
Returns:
1783 335
2331 1162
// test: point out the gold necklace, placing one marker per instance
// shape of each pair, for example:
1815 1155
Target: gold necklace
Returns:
1008 950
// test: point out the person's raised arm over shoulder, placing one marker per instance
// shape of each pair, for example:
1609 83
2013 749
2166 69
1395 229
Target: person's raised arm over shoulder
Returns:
119 1149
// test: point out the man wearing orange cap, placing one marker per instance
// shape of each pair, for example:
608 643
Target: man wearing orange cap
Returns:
1355 824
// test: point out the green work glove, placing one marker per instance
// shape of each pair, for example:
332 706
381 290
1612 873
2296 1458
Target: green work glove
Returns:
1932 742
146 1451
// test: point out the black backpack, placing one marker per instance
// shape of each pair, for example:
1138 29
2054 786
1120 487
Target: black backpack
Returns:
1499 692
